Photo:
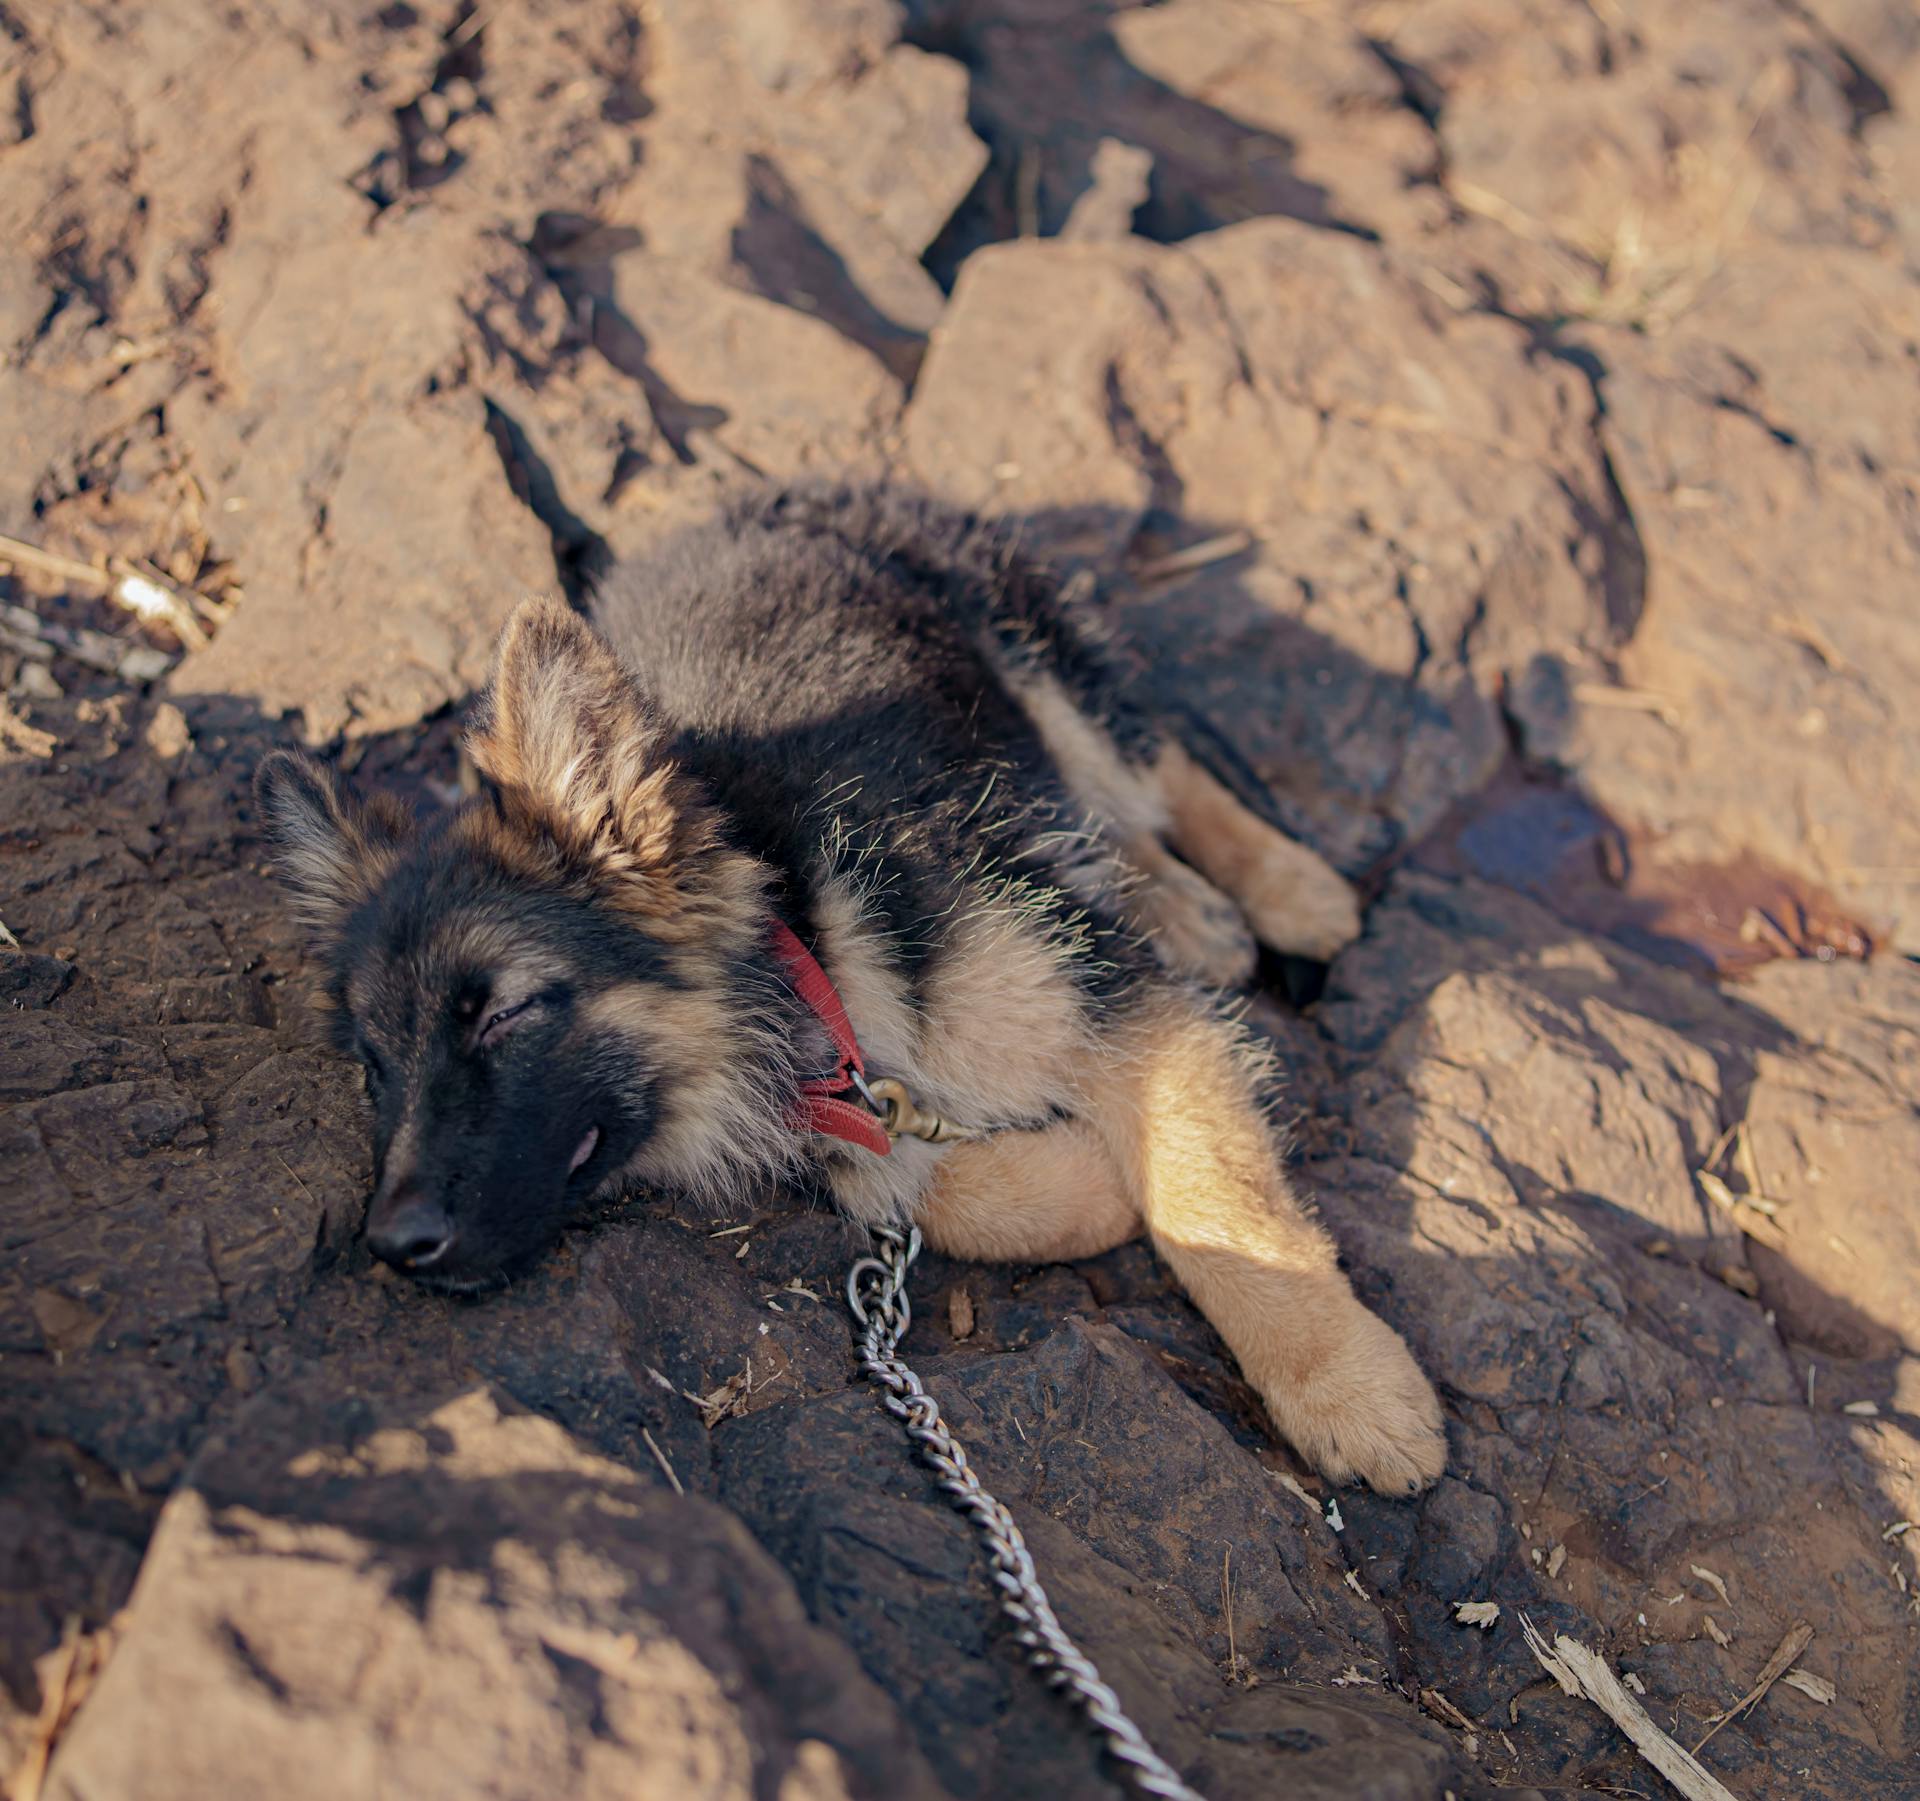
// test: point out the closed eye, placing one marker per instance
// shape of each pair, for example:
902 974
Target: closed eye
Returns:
501 1023
374 1070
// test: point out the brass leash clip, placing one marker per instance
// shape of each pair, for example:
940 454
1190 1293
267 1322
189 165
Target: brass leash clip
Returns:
901 1118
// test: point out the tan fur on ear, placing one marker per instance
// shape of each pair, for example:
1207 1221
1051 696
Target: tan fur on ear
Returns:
330 847
565 740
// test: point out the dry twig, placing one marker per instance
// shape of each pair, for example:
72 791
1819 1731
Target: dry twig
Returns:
17 734
148 593
1798 1637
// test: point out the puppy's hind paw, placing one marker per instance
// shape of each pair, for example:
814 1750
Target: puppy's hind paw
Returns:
1197 930
1300 904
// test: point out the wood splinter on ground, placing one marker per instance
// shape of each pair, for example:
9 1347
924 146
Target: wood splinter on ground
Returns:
1586 1674
66 1674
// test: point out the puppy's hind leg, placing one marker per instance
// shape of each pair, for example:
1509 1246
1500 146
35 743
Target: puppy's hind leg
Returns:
1178 1108
1294 900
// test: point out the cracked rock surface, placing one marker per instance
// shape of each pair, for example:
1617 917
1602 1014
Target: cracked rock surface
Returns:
1491 421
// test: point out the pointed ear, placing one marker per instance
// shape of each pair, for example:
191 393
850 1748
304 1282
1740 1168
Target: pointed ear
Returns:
331 848
567 744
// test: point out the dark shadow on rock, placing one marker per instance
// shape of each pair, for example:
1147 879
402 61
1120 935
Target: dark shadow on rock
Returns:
581 557
577 255
1045 90
785 259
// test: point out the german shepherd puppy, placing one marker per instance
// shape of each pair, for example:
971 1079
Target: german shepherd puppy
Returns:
871 720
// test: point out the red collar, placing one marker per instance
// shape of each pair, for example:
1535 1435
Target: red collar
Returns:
824 1105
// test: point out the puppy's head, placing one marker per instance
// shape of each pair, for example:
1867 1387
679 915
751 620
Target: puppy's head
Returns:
542 988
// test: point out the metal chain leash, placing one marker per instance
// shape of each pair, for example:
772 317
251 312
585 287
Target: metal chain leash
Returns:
877 1293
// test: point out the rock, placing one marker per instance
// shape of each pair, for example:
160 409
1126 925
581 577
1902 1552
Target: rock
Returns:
1415 490
28 979
1555 1265
786 46
377 541
1826 1123
465 1602
1246 111
824 191
1312 80
1119 174
167 733
1757 447
1136 1551
766 370
1490 423
894 144
1646 141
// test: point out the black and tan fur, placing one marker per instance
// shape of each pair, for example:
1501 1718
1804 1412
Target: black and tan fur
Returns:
871 718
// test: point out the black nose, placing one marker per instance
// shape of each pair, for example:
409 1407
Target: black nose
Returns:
414 1235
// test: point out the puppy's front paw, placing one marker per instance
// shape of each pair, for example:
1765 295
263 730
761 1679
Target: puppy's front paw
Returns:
1366 1412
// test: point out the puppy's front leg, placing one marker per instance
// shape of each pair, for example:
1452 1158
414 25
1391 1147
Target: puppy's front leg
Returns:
1029 1197
1177 1107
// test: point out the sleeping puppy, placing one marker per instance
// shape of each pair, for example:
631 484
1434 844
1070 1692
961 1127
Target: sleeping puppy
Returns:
840 790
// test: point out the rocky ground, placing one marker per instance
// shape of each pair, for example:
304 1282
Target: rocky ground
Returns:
1494 418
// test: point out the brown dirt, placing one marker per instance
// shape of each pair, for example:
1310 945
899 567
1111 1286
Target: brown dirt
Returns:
1536 376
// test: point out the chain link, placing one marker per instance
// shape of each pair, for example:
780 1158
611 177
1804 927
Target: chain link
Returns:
877 1293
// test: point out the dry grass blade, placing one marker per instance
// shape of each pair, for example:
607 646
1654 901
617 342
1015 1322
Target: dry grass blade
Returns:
960 1319
1442 1709
1747 1161
149 594
1195 556
1586 1674
1798 1637
1630 700
22 555
1234 1672
1500 210
1292 1486
660 1457
1804 632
